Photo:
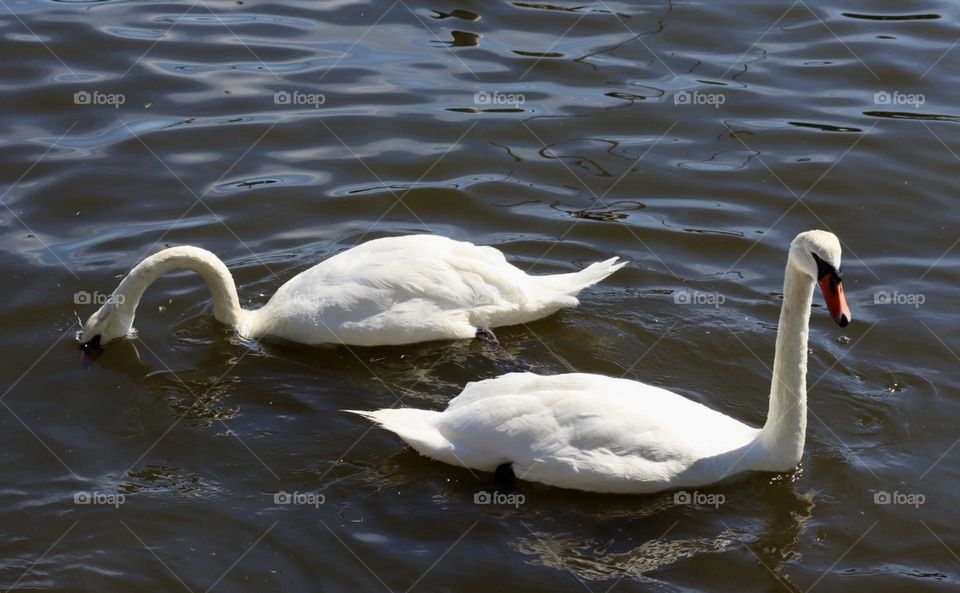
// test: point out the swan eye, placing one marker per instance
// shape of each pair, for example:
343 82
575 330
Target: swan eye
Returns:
825 269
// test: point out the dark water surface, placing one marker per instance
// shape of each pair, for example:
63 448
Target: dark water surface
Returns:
694 139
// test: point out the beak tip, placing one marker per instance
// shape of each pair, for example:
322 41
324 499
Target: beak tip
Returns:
843 321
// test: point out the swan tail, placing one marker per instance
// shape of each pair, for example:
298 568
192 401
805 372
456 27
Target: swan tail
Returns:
416 427
573 283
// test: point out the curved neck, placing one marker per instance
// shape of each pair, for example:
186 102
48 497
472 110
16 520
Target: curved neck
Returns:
226 304
786 426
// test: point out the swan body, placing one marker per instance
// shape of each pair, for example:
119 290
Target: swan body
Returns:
389 291
579 431
602 434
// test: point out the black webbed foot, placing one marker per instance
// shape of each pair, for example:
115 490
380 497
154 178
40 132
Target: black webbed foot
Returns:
504 473
487 336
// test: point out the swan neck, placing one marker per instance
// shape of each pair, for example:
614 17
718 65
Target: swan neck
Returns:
226 303
786 426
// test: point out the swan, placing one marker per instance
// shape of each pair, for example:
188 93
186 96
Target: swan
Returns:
389 291
602 434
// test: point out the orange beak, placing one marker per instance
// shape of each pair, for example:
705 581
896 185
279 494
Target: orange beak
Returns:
832 290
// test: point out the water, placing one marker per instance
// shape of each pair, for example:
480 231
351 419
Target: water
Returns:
693 139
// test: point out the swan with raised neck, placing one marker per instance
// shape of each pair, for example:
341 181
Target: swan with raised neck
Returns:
605 434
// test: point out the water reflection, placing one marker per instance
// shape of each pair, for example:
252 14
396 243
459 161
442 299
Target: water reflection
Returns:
676 535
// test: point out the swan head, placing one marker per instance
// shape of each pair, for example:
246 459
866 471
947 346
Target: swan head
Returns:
109 323
817 255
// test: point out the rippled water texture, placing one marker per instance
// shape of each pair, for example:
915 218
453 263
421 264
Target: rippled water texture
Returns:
693 139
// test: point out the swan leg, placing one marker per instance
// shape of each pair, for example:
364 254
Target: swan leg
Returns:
504 473
487 335
508 361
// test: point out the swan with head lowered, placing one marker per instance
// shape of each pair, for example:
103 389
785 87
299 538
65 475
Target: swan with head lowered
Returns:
600 434
389 291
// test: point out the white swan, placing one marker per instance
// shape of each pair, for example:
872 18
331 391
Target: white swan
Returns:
395 290
601 434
